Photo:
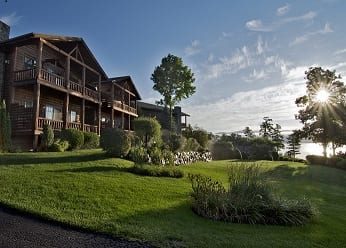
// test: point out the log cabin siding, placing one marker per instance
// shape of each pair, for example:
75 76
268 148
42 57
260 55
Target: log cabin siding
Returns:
22 52
21 110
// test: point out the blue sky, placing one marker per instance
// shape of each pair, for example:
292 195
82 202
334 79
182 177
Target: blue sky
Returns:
248 57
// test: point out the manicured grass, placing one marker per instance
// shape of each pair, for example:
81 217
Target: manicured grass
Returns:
89 190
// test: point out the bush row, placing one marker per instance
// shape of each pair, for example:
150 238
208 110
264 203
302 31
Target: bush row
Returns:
335 161
156 171
68 139
248 199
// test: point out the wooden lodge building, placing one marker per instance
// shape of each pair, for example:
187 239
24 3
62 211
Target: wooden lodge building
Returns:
56 80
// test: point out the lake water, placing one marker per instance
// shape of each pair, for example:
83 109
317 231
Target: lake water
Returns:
309 148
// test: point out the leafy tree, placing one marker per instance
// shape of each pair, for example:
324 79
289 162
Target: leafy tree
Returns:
266 127
293 142
277 137
322 115
248 132
148 130
174 81
5 128
199 134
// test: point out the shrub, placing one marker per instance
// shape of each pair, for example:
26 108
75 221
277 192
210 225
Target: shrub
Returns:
138 155
156 171
221 150
47 138
148 130
5 128
74 137
59 146
191 145
176 142
168 157
91 140
314 159
115 142
155 155
249 199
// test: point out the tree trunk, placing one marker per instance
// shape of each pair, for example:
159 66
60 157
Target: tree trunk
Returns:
324 150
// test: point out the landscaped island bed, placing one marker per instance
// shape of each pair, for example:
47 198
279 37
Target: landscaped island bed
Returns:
89 190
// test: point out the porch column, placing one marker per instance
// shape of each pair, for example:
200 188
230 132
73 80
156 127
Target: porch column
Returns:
66 110
36 112
37 94
82 114
112 110
122 120
100 105
129 124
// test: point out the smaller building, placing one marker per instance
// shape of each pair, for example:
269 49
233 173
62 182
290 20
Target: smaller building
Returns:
162 115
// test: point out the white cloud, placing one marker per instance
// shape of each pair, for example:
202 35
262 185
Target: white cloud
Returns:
247 108
193 48
261 46
257 25
341 51
11 19
256 75
229 65
303 38
283 10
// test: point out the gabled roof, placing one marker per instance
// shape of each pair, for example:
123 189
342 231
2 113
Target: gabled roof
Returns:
65 43
121 82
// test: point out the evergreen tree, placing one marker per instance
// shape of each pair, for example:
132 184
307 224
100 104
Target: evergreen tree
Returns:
248 132
293 144
277 137
266 127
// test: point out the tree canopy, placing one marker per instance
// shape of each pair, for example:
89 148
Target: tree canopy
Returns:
174 81
323 108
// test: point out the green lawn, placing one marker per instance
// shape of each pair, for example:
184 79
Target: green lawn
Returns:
89 190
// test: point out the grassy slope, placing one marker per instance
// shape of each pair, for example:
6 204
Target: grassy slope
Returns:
89 190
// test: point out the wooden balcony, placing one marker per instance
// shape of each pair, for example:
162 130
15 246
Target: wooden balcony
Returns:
118 105
56 81
59 125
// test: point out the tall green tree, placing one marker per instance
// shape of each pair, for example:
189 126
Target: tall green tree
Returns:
174 81
266 127
323 107
293 144
248 132
277 137
5 128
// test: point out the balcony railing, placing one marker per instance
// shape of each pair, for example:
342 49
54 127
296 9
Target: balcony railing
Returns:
59 125
55 124
118 104
52 78
23 75
74 125
55 80
90 128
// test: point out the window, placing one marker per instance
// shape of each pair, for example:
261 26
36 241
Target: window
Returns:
73 116
29 62
28 104
53 113
49 112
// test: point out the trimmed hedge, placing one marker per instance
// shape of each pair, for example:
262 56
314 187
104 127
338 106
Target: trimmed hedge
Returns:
115 142
91 140
156 171
74 137
59 146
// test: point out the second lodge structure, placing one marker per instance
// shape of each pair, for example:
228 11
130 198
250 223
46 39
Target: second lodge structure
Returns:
56 80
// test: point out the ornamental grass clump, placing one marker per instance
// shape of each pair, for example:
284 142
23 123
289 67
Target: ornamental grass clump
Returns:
249 199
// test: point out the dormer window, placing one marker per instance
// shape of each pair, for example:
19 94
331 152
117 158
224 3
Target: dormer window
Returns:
29 62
